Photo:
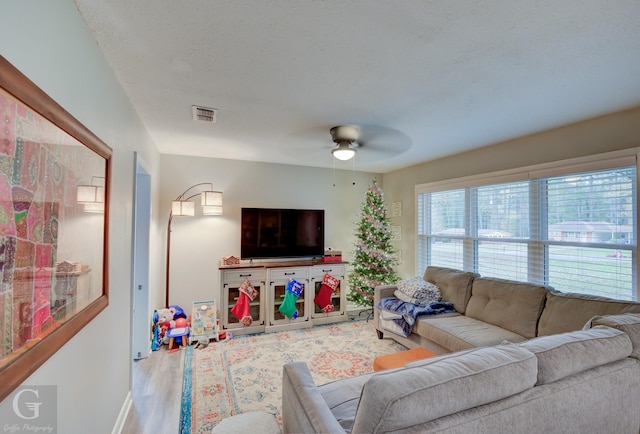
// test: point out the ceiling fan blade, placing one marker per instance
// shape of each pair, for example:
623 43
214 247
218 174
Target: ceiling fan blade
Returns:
383 141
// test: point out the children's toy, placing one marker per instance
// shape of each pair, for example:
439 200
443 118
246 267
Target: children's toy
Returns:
178 332
204 321
178 312
166 319
156 340
164 323
181 322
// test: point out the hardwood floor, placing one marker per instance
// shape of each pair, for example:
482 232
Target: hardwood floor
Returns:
157 389
156 394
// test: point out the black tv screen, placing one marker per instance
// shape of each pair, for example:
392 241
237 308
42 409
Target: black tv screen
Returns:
281 233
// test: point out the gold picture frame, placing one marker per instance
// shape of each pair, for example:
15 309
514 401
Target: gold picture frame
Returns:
54 196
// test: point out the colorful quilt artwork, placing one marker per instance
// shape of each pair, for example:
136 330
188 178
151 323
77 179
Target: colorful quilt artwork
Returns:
35 194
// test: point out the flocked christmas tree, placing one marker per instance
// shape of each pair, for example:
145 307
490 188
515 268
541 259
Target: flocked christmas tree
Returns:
374 256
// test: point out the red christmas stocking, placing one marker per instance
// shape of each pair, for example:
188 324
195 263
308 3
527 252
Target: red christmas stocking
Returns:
242 309
323 298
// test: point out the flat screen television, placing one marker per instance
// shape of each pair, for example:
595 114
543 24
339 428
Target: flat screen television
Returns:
281 233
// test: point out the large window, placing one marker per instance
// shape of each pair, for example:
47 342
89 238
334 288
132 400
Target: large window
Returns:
575 231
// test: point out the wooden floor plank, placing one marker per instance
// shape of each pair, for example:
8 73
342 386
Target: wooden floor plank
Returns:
156 393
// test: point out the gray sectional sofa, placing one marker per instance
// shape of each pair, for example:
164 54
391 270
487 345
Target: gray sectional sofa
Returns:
491 310
516 357
585 381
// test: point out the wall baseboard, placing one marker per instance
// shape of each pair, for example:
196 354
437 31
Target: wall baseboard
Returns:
122 417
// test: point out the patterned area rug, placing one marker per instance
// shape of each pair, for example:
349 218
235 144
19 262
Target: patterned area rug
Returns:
245 373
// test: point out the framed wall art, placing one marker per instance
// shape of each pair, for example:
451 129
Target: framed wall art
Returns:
54 191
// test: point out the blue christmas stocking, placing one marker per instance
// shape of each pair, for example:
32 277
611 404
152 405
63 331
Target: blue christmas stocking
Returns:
292 292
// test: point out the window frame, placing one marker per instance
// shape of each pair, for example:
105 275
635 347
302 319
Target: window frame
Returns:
538 242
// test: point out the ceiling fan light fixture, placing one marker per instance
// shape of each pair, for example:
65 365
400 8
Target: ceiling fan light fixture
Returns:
343 151
345 137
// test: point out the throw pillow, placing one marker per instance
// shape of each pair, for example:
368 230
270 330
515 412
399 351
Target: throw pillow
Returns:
418 291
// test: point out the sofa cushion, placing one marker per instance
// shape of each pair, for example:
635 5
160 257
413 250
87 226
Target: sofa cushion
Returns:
515 306
565 312
404 398
454 285
628 323
566 354
460 332
342 398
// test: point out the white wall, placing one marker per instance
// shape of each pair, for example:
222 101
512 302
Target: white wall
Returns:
608 133
50 43
198 243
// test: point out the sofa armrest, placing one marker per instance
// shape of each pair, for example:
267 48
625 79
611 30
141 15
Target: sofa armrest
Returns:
380 292
303 408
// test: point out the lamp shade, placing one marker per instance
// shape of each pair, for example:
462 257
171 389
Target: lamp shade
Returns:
90 194
182 207
211 198
211 202
343 152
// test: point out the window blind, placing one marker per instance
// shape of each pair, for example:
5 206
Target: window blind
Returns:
591 232
575 231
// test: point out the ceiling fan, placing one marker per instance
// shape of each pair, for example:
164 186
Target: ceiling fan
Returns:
372 143
375 142
345 137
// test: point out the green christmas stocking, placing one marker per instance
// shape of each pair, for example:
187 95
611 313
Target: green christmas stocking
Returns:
288 306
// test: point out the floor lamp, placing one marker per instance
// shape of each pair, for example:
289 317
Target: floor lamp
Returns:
211 202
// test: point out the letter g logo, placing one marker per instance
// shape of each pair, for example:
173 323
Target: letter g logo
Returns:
34 407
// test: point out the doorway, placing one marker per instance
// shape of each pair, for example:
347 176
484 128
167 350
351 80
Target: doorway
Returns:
141 319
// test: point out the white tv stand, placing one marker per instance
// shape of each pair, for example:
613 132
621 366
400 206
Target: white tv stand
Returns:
270 279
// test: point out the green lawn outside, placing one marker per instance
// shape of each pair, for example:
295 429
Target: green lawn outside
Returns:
571 268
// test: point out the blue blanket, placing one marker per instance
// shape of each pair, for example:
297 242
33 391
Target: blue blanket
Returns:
404 314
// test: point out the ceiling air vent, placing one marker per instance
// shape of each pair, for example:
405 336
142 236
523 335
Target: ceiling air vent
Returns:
204 114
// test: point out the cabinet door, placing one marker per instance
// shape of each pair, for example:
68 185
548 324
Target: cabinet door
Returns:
278 290
231 282
279 278
231 295
337 297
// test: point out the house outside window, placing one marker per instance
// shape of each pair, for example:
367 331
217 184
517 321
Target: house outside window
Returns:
573 230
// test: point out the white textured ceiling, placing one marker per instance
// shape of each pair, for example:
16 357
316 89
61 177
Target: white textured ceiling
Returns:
422 79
